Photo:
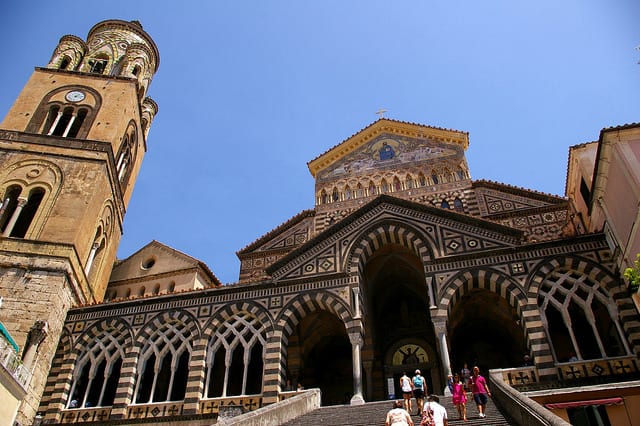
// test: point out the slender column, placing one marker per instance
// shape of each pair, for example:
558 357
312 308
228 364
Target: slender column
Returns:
92 255
431 291
356 343
66 131
55 123
14 217
440 329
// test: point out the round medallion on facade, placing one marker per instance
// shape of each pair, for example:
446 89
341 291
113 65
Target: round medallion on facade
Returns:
75 96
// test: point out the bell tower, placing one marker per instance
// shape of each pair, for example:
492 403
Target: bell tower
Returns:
71 147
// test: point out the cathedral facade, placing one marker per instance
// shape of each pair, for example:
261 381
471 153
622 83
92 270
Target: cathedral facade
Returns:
404 262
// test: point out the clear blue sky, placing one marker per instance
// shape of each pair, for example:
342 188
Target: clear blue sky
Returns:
250 91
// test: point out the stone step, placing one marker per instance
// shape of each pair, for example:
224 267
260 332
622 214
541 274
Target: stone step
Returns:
374 414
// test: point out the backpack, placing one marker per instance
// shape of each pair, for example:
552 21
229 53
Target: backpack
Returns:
417 381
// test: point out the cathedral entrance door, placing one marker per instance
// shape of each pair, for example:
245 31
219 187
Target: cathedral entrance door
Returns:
407 357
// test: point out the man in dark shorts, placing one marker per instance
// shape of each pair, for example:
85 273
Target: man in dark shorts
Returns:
481 392
419 390
407 391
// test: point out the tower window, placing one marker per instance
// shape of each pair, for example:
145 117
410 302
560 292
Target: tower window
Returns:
136 70
65 62
28 213
98 65
17 213
65 123
9 205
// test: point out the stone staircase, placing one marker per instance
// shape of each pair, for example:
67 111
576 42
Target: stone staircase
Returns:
374 414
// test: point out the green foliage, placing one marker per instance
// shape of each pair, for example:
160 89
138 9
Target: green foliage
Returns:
632 274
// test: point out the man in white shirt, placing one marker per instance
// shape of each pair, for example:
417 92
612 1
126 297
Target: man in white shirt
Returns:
434 410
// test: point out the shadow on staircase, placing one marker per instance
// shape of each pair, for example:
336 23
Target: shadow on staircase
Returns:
374 414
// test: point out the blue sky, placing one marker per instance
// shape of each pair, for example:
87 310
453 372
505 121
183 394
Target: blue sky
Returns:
250 91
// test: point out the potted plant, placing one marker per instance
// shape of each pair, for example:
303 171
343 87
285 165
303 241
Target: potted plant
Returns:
632 274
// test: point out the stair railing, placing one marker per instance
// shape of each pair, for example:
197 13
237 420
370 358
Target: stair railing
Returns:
519 407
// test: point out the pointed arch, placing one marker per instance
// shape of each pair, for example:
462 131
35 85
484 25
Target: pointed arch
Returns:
408 181
165 344
237 341
586 304
97 369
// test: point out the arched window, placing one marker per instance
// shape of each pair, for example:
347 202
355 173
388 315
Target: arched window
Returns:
372 188
457 205
136 70
422 180
156 289
172 286
397 186
335 195
359 191
127 154
235 357
409 182
97 248
444 204
324 198
384 186
580 317
65 62
127 293
434 178
141 291
97 371
347 193
20 212
9 205
66 122
164 364
98 64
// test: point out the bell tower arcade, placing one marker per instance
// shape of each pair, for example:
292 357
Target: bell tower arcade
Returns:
71 147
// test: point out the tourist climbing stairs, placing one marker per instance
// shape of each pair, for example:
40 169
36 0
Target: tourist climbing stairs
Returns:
374 414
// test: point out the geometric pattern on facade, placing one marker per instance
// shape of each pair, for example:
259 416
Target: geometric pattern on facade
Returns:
422 229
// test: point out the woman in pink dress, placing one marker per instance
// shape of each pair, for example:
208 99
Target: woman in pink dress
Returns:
459 397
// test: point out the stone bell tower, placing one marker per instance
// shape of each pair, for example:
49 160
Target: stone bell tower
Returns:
71 147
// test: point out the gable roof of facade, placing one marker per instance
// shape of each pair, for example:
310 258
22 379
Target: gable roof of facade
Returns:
385 125
159 258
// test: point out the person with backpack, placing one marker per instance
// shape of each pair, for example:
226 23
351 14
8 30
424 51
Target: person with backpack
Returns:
419 390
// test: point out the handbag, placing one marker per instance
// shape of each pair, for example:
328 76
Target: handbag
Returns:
427 417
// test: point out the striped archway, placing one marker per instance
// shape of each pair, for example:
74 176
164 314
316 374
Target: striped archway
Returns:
477 295
291 316
382 233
